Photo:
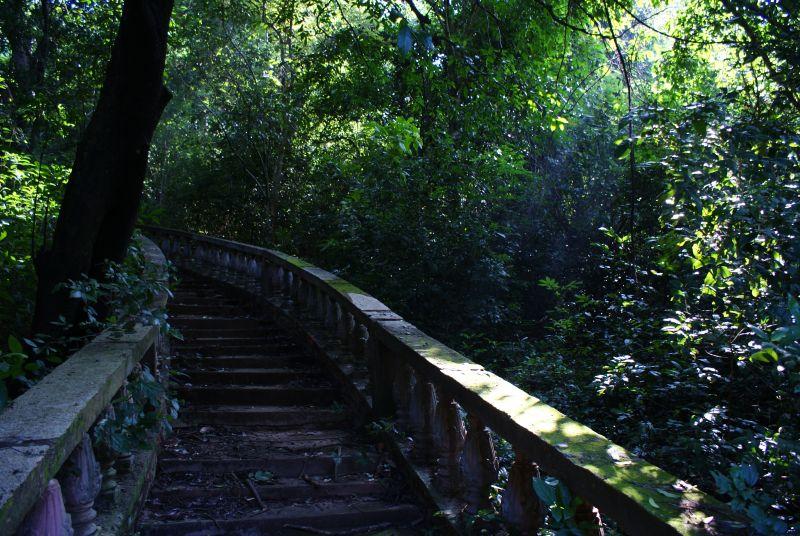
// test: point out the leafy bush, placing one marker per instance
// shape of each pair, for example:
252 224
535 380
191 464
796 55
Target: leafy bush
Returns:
124 298
141 408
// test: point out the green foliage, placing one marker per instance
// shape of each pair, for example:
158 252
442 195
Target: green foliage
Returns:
739 484
141 408
29 194
597 200
126 297
561 506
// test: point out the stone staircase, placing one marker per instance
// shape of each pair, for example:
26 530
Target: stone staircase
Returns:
264 442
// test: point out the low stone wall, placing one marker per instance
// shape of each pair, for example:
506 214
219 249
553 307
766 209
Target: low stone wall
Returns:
47 427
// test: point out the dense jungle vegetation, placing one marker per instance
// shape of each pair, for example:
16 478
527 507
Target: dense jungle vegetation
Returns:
598 200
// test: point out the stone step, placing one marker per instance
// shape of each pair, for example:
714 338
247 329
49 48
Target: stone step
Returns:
262 445
271 417
280 489
229 441
206 294
249 376
291 520
273 395
266 331
214 322
268 348
210 308
284 360
327 465
214 342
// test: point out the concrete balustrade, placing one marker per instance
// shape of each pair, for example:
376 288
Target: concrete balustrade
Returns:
451 406
49 473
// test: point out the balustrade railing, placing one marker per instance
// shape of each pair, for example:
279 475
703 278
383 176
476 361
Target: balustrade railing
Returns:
449 406
50 475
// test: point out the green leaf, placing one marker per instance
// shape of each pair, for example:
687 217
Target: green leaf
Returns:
546 490
14 345
766 355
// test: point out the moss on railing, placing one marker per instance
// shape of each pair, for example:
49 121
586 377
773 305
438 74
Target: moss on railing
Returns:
638 496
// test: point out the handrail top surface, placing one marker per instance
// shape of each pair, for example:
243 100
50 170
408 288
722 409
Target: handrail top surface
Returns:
632 491
363 304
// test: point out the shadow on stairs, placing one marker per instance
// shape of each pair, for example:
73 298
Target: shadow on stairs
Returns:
264 442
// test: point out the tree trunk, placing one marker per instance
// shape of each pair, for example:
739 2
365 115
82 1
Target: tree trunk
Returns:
101 201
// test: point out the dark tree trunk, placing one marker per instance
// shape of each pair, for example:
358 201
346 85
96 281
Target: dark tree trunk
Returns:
98 212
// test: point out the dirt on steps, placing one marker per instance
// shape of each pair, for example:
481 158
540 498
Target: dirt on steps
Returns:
264 442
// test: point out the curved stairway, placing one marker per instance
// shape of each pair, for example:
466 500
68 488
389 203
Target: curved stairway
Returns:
264 443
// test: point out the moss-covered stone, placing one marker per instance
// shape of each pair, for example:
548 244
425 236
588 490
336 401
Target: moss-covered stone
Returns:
40 429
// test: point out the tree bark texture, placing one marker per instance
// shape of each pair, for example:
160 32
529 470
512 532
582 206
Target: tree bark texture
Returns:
101 201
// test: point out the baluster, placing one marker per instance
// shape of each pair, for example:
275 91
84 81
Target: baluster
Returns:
81 479
182 251
254 275
322 307
215 260
188 257
330 313
220 265
240 275
176 250
124 460
350 327
286 284
358 338
167 253
236 269
235 276
380 381
247 275
421 418
401 394
311 300
281 280
48 516
520 506
106 457
226 266
478 465
265 278
341 323
238 261
295 288
588 519
448 435
299 293
200 258
276 285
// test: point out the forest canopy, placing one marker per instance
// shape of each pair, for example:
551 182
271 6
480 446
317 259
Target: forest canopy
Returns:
597 200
